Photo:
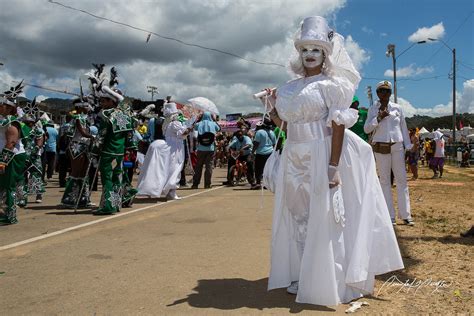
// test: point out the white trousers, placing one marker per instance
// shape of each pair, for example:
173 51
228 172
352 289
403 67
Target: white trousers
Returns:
394 161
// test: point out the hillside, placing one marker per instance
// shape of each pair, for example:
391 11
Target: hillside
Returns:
431 123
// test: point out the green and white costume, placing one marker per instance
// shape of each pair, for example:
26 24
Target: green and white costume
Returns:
78 148
13 178
33 166
113 133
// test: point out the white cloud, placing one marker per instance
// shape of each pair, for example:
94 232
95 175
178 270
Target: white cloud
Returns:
464 104
422 34
383 34
65 43
358 55
367 30
409 71
40 98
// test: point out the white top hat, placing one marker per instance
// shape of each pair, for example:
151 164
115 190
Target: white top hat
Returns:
170 108
315 30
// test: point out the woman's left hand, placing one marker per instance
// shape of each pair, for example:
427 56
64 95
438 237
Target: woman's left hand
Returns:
333 177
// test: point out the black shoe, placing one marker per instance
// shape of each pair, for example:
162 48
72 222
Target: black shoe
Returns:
207 187
469 233
100 213
409 222
256 187
226 183
194 187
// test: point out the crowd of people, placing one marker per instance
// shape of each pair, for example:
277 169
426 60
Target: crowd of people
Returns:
334 210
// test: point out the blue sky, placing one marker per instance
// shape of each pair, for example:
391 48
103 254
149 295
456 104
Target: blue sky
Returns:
374 24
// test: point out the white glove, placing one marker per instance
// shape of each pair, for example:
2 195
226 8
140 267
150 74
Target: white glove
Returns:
333 176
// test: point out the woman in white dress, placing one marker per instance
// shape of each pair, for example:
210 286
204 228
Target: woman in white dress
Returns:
161 170
331 229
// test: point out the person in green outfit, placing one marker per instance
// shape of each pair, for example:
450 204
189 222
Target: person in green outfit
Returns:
33 137
78 150
113 132
358 127
12 157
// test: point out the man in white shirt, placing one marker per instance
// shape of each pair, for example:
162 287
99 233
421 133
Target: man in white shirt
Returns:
390 139
437 162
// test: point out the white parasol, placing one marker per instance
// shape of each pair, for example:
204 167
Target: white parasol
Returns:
203 104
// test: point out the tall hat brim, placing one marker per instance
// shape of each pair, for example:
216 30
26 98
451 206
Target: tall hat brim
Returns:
106 92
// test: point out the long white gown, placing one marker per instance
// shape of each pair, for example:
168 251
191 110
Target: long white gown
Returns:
333 264
164 160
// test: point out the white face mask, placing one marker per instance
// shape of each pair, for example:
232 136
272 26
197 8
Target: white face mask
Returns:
311 55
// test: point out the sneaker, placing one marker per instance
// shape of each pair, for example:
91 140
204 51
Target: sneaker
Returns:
409 222
194 187
293 288
207 186
256 187
394 222
39 200
435 176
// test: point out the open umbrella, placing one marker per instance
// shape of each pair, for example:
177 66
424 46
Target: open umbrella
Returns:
204 105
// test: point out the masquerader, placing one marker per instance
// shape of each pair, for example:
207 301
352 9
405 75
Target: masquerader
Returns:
78 152
33 140
13 157
113 130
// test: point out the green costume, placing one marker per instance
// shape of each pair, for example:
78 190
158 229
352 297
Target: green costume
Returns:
33 167
78 148
358 127
112 136
131 148
12 179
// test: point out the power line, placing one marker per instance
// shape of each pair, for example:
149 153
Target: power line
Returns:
407 79
439 49
464 65
163 36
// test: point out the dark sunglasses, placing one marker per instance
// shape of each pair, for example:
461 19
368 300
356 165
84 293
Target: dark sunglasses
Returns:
383 90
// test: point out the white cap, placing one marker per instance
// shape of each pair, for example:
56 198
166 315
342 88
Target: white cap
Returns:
385 84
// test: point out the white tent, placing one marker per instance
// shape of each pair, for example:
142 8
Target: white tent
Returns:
423 131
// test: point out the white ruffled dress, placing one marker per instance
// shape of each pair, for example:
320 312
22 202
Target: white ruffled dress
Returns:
164 160
335 261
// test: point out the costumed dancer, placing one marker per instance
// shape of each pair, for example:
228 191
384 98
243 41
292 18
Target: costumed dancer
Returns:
79 157
129 158
164 159
13 157
113 130
331 229
33 141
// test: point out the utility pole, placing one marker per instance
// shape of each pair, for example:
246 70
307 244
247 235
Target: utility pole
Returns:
453 50
391 52
152 90
369 95
454 95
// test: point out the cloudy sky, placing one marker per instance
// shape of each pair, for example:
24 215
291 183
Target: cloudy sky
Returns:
47 44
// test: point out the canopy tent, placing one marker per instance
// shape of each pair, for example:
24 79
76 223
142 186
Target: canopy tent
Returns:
423 131
232 126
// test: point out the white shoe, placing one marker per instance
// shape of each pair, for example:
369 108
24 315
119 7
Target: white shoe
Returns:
39 200
293 288
394 222
172 196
